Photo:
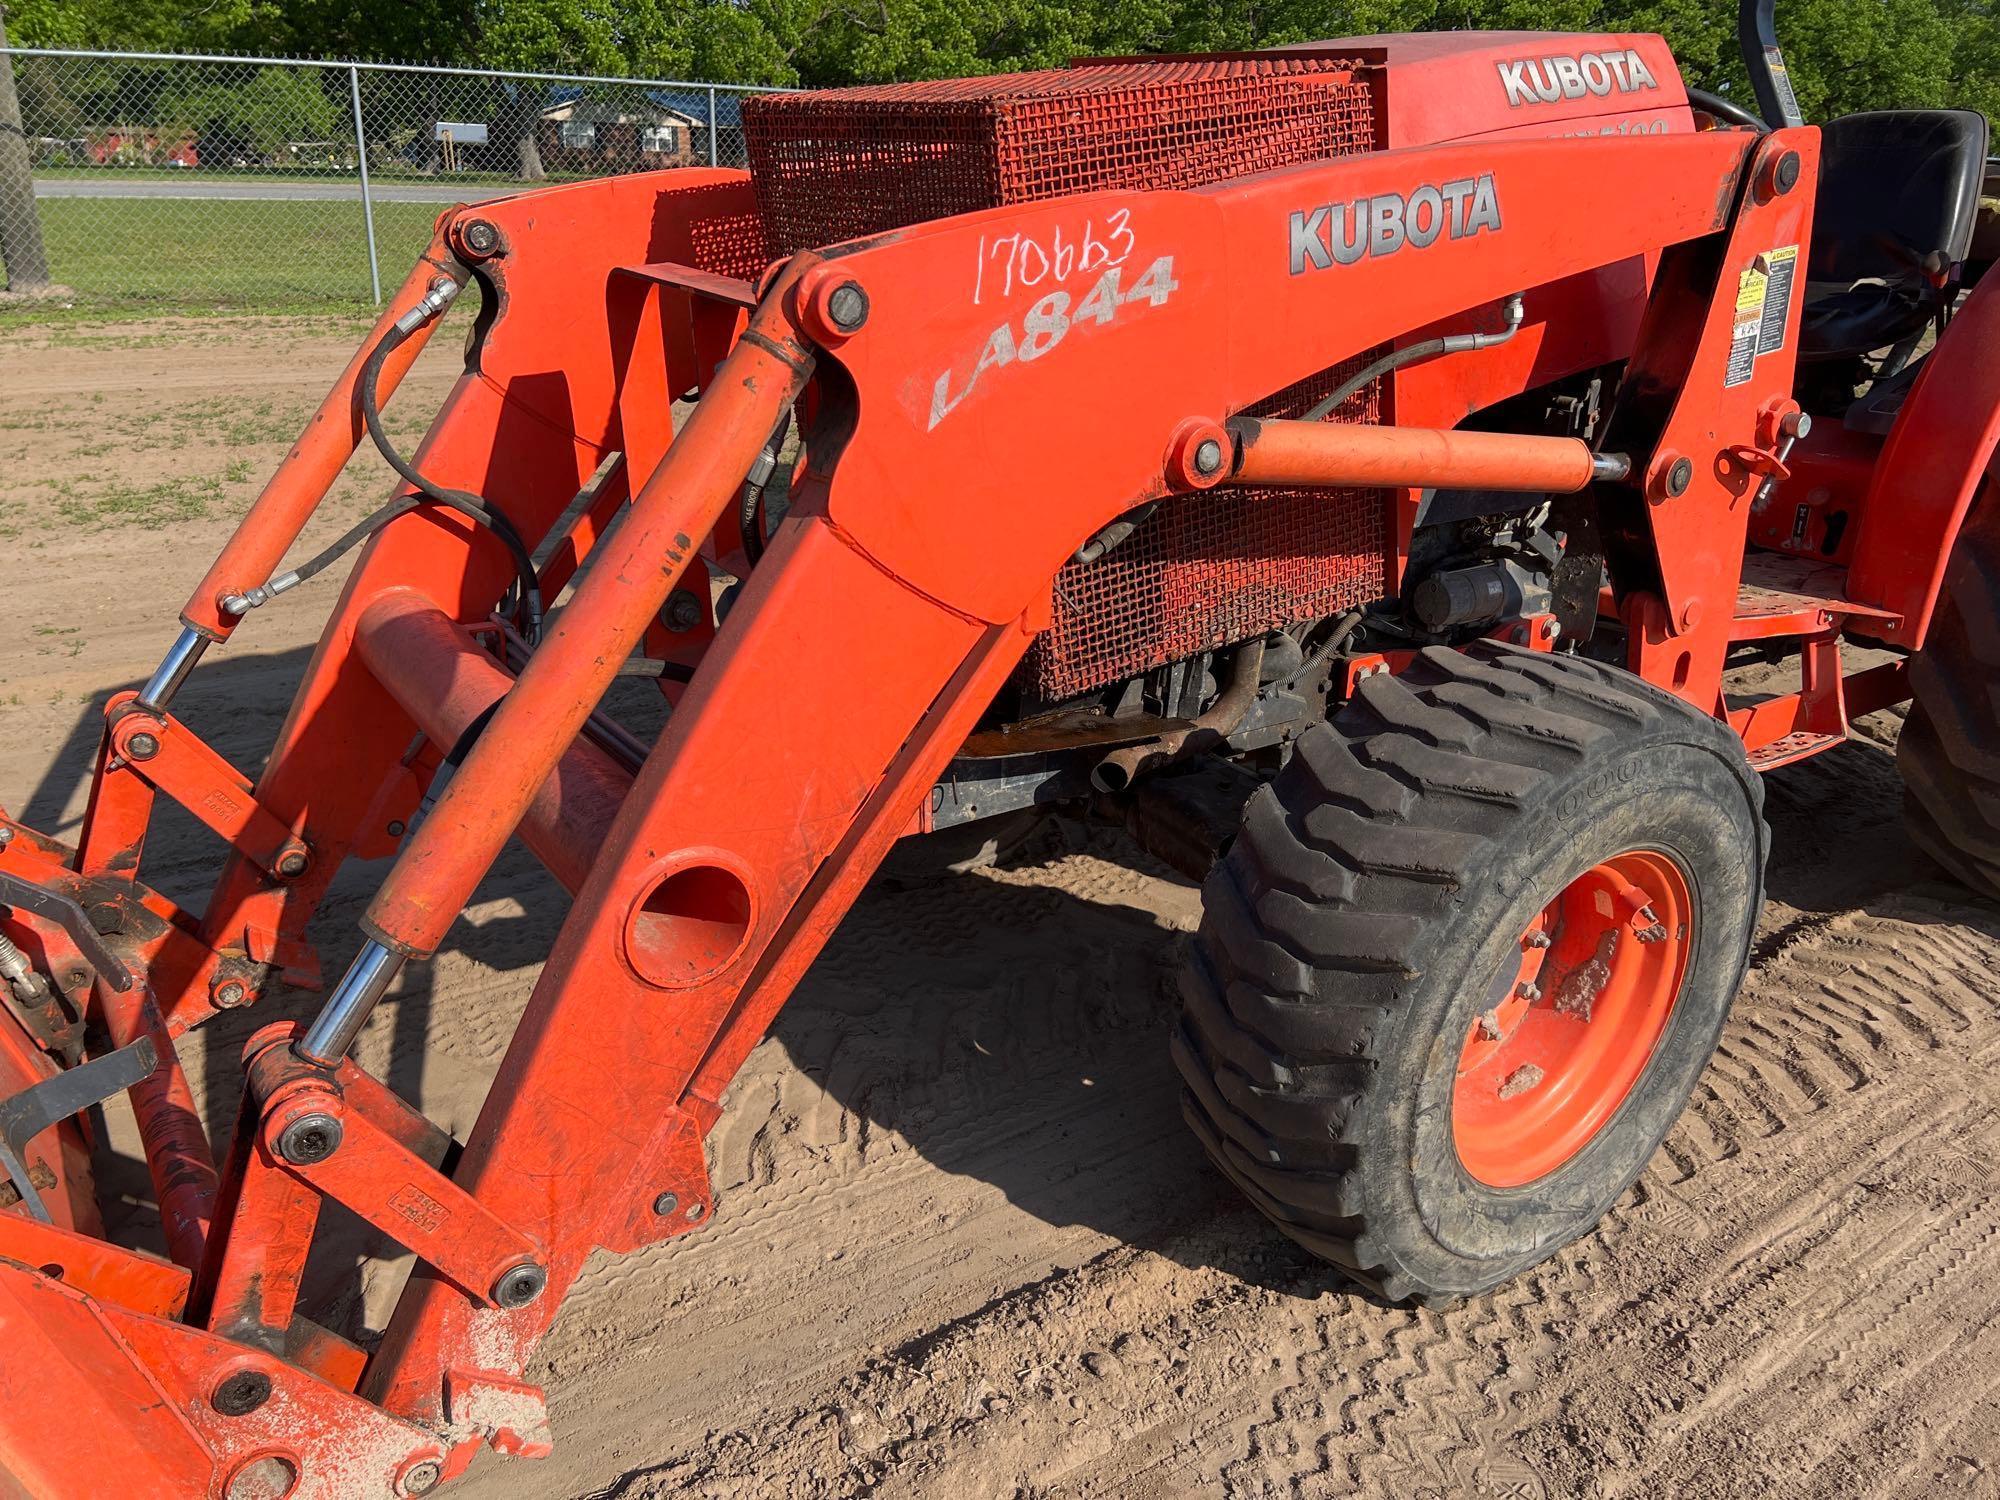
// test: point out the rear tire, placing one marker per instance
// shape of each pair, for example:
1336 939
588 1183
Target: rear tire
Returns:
1949 750
1384 890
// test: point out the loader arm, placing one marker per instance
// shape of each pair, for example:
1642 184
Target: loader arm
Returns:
973 416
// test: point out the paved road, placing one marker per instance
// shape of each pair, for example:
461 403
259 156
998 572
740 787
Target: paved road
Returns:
331 191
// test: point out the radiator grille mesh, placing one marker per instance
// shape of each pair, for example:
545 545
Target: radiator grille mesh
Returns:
1205 570
1210 569
839 164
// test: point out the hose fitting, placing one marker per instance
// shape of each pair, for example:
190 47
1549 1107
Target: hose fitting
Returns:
436 300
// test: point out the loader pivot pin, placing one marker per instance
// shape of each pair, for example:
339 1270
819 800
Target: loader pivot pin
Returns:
520 1286
310 1139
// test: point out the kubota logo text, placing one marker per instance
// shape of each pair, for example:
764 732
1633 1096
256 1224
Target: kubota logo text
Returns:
1341 233
1547 80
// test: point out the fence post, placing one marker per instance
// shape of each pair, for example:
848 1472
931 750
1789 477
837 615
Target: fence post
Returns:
367 202
711 127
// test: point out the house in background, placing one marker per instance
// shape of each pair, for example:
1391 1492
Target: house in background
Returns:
589 137
122 146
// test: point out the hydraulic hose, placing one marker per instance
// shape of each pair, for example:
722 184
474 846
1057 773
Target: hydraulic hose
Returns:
1717 107
1452 343
751 518
474 507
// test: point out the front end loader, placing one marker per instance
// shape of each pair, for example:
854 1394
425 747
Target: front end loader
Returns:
1352 468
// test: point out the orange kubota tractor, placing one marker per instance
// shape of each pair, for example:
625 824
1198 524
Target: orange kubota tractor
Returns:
1353 467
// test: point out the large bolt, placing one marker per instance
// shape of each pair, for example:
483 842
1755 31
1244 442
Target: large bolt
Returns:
1207 456
665 1204
293 863
520 1286
229 996
1679 477
142 747
481 238
847 306
683 611
1788 171
421 1479
241 1393
310 1139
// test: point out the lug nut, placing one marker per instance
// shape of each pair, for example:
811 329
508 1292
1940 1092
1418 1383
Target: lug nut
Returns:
1539 939
520 1286
1530 992
310 1139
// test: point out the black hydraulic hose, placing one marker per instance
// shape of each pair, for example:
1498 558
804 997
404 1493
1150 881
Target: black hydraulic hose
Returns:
360 531
752 515
1454 343
474 507
1717 107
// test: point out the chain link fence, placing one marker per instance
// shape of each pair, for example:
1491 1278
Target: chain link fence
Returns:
257 182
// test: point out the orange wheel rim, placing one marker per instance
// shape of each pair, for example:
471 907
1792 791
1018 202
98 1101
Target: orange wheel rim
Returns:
1572 1022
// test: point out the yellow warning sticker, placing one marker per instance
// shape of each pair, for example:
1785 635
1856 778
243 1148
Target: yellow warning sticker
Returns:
1751 287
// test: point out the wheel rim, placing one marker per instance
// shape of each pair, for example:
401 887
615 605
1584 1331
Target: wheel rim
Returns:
1570 1024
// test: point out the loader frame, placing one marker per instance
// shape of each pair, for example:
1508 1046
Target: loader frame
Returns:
962 440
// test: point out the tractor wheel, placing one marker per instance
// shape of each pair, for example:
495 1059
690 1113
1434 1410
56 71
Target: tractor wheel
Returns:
1949 750
1462 965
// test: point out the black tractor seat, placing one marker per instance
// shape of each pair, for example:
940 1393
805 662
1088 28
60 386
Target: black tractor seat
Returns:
1898 200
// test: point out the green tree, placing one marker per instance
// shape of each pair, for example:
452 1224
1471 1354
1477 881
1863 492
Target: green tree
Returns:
253 120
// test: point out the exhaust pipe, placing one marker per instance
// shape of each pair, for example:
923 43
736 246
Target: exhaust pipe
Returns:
1121 768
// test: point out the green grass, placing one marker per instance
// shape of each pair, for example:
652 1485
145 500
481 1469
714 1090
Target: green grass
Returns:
148 506
153 255
232 175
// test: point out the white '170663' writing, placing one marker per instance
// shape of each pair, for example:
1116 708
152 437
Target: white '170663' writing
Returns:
1019 260
1049 322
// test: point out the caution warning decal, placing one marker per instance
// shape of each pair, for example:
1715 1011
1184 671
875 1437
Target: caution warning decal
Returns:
1763 305
1749 324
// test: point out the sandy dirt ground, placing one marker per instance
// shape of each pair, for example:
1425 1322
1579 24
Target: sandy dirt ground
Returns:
964 1245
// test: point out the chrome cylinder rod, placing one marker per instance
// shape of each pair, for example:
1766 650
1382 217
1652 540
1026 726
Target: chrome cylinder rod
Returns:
346 1010
173 669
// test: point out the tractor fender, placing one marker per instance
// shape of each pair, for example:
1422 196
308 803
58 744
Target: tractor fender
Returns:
1937 457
